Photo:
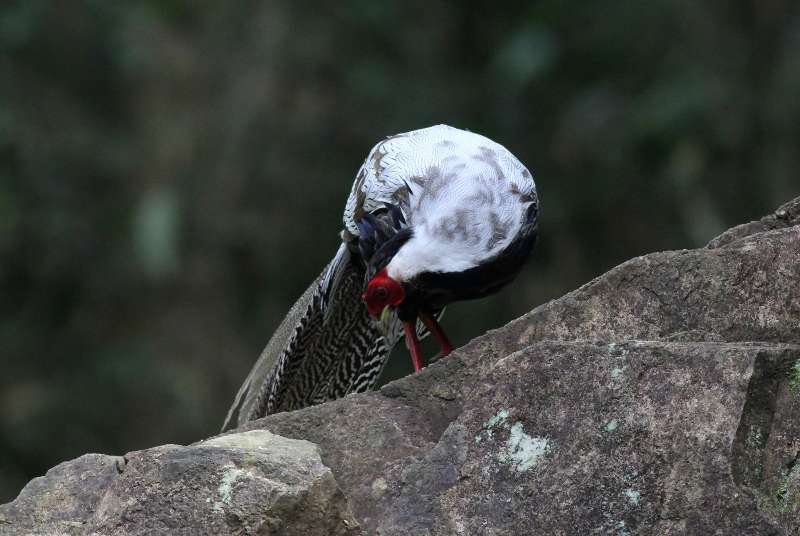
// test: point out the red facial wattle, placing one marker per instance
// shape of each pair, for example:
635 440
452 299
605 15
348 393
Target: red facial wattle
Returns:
382 291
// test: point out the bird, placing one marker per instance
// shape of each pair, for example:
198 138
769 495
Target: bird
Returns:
435 215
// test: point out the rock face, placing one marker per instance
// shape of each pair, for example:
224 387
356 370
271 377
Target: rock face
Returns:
247 483
661 398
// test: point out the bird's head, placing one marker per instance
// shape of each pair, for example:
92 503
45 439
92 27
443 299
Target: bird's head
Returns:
382 294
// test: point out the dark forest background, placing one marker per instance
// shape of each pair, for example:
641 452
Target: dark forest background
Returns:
173 172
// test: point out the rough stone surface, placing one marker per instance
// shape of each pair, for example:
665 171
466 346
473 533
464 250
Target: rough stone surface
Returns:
746 290
641 437
661 398
786 215
656 399
247 483
62 500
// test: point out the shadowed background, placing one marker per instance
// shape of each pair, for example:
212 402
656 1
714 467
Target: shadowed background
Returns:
173 172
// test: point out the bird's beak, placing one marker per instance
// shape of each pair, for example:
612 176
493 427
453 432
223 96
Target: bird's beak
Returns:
385 319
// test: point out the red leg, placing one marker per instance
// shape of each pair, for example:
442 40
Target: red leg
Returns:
413 345
436 330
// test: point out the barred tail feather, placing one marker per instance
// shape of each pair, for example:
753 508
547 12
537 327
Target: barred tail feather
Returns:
326 347
249 399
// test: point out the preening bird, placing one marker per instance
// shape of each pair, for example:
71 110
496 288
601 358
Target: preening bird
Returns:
434 216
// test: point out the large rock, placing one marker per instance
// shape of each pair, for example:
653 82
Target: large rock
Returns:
744 290
61 501
642 437
661 398
247 483
787 215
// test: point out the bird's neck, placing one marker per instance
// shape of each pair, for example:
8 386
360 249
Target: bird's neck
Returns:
423 253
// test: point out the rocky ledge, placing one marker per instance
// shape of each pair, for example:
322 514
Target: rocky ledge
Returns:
661 398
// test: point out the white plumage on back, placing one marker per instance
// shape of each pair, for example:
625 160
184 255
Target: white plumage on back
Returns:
465 196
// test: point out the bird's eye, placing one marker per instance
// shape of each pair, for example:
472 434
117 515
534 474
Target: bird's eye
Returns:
381 293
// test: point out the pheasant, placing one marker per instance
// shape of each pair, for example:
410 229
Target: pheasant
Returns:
435 215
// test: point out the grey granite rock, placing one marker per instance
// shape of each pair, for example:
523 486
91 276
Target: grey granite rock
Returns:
247 483
656 399
61 501
746 290
641 437
786 215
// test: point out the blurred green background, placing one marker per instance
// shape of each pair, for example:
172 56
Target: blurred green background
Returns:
173 172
